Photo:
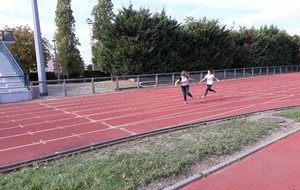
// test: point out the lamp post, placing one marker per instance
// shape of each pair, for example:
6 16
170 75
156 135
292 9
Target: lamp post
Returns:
55 64
90 22
39 50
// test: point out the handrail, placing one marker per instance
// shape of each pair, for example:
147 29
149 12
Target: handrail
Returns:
13 62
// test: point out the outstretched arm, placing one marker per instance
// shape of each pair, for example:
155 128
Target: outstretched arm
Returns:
176 82
202 79
216 79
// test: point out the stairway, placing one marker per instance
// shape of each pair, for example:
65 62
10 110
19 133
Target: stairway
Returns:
12 88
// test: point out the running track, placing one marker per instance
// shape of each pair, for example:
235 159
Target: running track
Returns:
39 128
276 167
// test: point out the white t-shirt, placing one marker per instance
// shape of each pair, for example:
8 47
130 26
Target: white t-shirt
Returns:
209 79
184 80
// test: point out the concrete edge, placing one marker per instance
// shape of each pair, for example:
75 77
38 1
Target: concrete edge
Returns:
218 167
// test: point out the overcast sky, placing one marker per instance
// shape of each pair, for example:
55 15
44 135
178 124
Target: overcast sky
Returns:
285 14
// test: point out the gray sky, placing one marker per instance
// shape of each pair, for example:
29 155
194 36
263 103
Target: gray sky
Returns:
285 14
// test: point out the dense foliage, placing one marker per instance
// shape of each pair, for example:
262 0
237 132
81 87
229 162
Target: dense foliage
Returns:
138 42
24 48
68 54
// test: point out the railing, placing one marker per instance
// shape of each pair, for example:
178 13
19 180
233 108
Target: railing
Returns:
6 36
13 62
87 86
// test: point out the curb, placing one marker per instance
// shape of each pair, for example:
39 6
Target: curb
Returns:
218 167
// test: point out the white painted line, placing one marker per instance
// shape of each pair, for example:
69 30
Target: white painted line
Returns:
211 116
171 116
52 140
128 131
111 126
41 131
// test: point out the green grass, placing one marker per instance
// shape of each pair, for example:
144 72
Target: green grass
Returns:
291 114
138 163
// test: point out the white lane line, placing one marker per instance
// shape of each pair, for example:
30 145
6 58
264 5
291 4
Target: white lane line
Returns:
128 131
277 99
52 140
128 108
193 112
172 116
45 130
164 109
43 122
188 112
212 116
43 142
111 126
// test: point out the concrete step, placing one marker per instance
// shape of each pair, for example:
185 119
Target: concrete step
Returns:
8 70
12 89
12 85
8 74
15 96
10 80
4 62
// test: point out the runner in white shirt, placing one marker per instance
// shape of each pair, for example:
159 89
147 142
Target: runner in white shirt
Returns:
209 81
185 87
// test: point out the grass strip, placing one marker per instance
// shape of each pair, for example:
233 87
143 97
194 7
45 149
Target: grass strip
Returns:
290 114
138 163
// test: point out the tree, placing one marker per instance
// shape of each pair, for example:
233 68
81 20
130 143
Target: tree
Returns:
89 67
243 41
211 44
24 48
68 54
272 47
137 42
103 16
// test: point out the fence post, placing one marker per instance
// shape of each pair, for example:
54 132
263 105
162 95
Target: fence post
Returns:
224 74
117 83
32 90
244 72
65 87
156 80
280 70
267 70
252 72
234 74
173 78
93 86
259 71
138 81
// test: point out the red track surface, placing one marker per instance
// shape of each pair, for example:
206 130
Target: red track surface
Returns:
275 167
35 129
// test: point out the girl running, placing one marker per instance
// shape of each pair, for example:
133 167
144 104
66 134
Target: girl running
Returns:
209 81
185 87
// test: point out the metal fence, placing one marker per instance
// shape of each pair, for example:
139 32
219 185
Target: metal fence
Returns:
87 86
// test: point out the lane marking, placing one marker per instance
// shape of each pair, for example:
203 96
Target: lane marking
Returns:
45 130
242 88
52 140
111 126
128 131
